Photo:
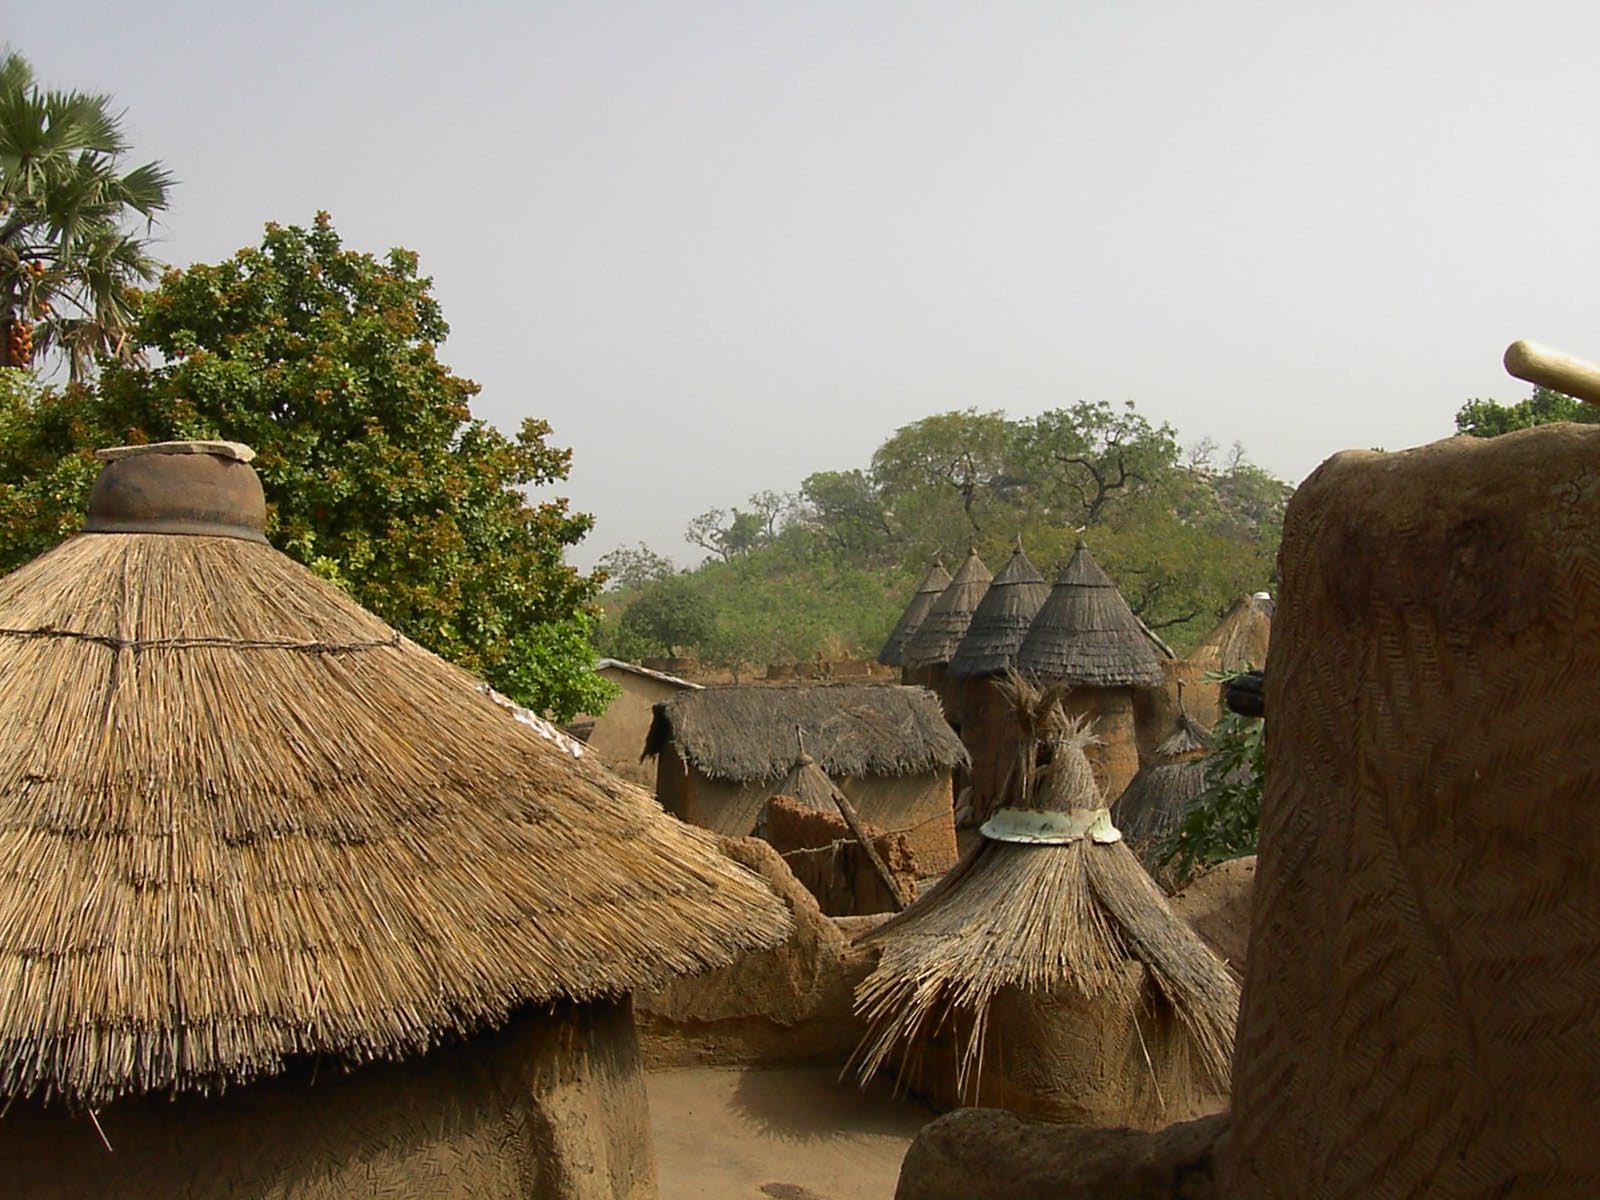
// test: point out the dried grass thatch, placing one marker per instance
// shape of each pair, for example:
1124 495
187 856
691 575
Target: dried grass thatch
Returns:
1238 640
1085 634
946 624
241 819
1068 912
932 586
746 734
1153 804
1001 621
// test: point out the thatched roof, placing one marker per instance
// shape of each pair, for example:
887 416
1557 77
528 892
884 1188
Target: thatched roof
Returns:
1239 639
1153 804
945 625
1037 917
1086 635
1001 621
933 583
747 733
807 784
242 819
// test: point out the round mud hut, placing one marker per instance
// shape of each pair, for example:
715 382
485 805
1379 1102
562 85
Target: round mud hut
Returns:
1238 641
1087 638
986 653
932 586
1047 973
928 651
291 907
1151 808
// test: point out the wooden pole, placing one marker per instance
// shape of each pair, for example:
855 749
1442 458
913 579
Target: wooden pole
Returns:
848 812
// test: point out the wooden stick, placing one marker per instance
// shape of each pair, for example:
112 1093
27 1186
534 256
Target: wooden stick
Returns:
848 812
1555 370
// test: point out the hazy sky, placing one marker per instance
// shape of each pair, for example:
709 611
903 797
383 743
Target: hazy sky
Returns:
721 246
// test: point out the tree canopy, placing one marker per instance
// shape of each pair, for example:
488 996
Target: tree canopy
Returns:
1487 418
69 251
377 475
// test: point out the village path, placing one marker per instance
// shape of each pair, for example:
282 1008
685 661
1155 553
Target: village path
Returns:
777 1135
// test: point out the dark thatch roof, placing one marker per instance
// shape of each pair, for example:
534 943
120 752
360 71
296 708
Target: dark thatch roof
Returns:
945 625
1153 804
1086 635
243 820
747 733
1001 621
933 583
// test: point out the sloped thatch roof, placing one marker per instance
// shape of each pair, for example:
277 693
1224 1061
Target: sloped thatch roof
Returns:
1001 621
242 819
1050 897
807 784
945 625
747 733
933 583
1153 803
1085 633
1238 640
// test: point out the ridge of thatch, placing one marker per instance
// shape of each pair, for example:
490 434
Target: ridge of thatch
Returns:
946 624
242 820
933 583
746 733
1001 621
1085 634
1036 918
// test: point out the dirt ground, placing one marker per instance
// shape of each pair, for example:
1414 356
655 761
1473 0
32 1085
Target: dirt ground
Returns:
794 1134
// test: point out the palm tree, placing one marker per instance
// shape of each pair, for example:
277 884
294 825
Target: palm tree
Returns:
67 256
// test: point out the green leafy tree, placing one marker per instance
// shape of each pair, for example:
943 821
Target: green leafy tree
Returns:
628 568
68 254
1081 461
1486 418
670 615
1224 820
377 475
944 475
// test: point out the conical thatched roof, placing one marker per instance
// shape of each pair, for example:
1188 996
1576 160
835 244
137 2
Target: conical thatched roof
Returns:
1051 897
242 819
1086 635
1153 804
808 784
1001 621
1238 640
946 624
933 583
746 733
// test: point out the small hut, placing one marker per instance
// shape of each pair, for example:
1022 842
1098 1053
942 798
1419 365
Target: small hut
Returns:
1086 637
1152 807
721 752
1237 641
1047 974
929 649
986 653
617 733
932 586
289 906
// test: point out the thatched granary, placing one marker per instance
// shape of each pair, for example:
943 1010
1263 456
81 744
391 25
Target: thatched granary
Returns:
1238 640
617 733
1047 973
1152 806
985 654
1086 637
288 906
929 590
720 752
929 649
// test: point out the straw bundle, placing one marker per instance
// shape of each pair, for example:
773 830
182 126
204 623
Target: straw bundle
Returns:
933 583
1086 634
1069 909
1001 620
946 624
242 819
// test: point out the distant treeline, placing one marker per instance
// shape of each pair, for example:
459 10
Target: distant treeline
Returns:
1182 530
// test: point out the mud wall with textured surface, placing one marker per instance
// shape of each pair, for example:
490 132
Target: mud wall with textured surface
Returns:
1420 1014
789 1005
552 1107
619 732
